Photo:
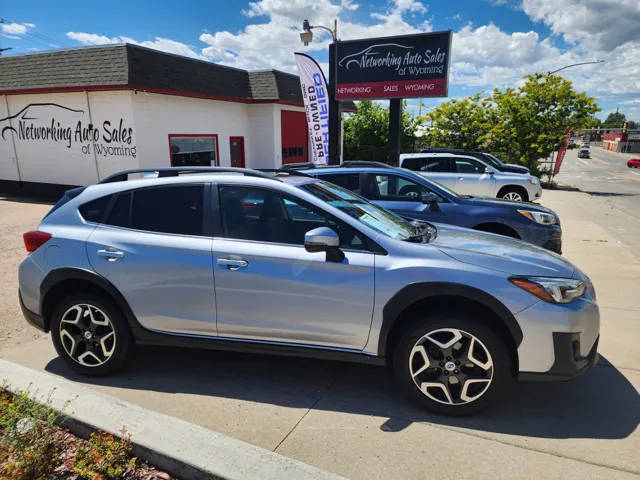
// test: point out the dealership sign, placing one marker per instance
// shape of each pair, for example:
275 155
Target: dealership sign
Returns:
394 67
316 105
69 127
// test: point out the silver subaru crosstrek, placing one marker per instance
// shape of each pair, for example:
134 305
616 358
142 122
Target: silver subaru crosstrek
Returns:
275 262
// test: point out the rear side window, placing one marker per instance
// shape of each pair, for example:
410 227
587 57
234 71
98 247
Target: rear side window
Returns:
350 181
120 215
95 210
174 209
427 164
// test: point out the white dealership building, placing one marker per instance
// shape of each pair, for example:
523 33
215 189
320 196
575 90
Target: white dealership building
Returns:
73 117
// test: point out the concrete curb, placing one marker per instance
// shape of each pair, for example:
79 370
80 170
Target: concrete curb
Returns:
183 449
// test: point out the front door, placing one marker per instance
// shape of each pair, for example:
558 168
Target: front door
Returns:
268 287
154 250
472 179
236 146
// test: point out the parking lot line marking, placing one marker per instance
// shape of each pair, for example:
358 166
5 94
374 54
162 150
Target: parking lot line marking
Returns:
623 176
599 160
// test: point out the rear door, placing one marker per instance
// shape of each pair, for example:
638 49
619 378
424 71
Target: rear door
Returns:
153 246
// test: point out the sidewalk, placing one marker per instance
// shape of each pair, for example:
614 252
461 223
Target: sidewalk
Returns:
349 419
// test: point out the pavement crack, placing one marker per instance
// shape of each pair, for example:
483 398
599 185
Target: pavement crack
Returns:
320 397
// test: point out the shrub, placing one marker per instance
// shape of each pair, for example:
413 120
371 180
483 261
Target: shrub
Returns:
30 443
105 456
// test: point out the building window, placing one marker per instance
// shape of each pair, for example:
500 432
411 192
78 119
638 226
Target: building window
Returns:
193 150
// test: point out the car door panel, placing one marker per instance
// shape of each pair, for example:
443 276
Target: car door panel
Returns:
154 249
274 289
166 279
287 294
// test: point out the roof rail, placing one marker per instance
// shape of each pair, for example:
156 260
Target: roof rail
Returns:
299 166
364 163
290 171
123 176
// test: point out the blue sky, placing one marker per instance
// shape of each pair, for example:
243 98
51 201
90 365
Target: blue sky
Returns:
495 41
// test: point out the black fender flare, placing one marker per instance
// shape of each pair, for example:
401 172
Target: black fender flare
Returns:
418 291
59 275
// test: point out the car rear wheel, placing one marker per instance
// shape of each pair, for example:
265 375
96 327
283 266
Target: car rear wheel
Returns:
90 334
452 364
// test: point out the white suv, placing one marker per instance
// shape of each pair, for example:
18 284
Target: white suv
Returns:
471 176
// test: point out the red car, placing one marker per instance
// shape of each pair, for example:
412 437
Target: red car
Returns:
633 162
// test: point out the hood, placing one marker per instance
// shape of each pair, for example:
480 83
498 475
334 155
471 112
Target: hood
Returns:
498 252
501 202
511 167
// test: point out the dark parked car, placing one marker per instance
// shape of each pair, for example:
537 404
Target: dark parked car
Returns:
583 153
486 157
413 196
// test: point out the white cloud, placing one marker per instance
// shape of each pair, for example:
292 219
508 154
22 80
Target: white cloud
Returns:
159 43
92 38
16 28
271 44
598 24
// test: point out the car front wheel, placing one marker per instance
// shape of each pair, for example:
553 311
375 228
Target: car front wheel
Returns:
90 334
452 364
513 193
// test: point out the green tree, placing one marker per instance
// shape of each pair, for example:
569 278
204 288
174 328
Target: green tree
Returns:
366 132
458 124
527 122
615 119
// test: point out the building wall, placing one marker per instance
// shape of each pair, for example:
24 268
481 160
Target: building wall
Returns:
99 133
66 138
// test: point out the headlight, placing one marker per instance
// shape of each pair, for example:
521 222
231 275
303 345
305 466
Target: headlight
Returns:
553 290
539 217
533 180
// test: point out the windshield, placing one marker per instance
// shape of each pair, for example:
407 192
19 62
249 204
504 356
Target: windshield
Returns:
496 159
364 211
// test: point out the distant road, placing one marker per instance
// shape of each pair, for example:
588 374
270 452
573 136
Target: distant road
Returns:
605 172
607 176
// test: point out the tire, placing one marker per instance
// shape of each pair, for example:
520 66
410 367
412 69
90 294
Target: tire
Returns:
491 360
105 349
514 193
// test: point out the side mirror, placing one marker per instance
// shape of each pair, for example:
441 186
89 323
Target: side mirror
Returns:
324 239
429 199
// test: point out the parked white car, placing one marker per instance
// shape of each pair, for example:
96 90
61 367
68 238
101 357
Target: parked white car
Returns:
471 176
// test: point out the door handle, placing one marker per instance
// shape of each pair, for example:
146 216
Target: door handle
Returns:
232 264
460 178
111 254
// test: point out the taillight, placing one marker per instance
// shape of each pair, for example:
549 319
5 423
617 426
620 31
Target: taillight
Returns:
34 240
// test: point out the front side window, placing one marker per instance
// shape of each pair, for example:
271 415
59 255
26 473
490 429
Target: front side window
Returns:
262 215
397 188
467 165
357 207
193 151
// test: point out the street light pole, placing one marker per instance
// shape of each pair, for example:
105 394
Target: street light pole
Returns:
306 36
575 65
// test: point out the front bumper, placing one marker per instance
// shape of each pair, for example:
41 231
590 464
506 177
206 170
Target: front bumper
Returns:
568 361
555 242
32 318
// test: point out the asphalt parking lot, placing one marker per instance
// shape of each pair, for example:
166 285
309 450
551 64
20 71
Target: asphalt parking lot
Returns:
350 419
